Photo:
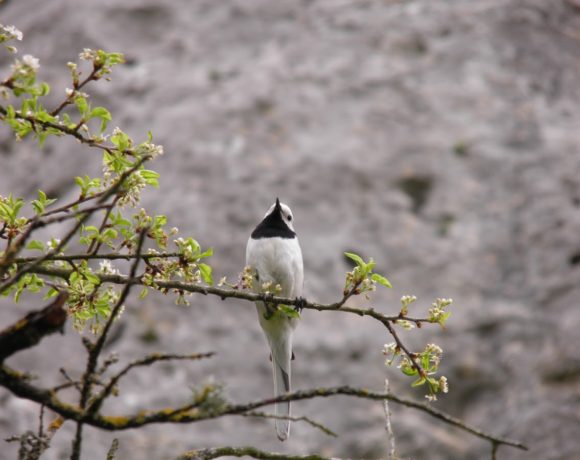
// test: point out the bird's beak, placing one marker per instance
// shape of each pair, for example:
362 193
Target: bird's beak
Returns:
278 207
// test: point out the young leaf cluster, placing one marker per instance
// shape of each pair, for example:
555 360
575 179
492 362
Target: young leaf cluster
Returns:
362 280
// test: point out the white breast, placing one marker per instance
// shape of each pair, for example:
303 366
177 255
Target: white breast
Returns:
278 260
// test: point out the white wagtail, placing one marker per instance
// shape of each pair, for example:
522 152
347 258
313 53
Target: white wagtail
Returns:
274 255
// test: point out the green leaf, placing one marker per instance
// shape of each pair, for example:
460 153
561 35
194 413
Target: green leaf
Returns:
151 177
40 204
109 234
92 277
289 311
103 114
82 106
73 278
417 383
52 292
381 280
44 89
120 140
444 317
205 271
38 207
160 221
409 371
35 244
143 293
207 253
355 258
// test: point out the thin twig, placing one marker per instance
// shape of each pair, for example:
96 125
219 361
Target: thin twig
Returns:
91 209
494 449
311 422
94 249
216 452
113 449
77 87
156 357
66 130
72 257
68 207
41 422
390 434
402 346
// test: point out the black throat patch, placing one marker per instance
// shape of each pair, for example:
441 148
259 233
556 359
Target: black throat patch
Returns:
273 226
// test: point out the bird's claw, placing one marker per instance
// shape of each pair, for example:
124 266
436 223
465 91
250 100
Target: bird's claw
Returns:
300 303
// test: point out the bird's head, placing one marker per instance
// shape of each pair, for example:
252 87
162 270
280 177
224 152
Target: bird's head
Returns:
283 211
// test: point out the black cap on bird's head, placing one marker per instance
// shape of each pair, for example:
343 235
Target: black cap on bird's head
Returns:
276 223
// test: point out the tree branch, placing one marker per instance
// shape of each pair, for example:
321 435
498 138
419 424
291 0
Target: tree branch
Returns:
17 385
33 327
229 293
73 257
386 320
216 452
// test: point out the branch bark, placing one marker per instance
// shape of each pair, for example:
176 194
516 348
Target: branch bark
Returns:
33 327
216 452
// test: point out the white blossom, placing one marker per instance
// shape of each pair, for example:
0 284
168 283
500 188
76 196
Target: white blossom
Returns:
107 268
443 384
12 32
88 54
31 62
389 348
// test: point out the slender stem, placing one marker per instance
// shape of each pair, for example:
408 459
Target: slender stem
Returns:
311 422
388 426
402 346
66 130
80 212
68 207
78 87
494 449
216 452
77 443
72 257
95 246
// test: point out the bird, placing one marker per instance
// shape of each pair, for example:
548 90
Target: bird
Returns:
274 256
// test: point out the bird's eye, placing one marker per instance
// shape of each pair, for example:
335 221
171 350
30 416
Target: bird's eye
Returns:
289 217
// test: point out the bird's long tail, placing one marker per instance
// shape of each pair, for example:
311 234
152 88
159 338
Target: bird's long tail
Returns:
281 369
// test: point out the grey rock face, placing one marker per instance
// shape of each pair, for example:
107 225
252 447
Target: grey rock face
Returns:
438 137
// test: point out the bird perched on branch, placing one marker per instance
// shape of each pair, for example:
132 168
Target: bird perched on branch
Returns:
274 256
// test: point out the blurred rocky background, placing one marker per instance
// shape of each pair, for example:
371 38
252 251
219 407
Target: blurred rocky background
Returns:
438 136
